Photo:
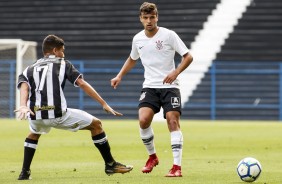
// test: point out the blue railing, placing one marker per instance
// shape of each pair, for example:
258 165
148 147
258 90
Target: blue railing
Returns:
214 71
106 67
7 97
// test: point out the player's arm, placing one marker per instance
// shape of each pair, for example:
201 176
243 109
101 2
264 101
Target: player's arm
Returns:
23 109
127 66
185 62
89 90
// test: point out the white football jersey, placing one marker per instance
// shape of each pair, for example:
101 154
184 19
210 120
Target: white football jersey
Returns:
157 56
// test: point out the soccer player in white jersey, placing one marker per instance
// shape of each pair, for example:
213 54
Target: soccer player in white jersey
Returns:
42 101
156 47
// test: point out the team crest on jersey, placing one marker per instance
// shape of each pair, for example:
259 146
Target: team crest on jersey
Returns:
159 45
142 96
175 102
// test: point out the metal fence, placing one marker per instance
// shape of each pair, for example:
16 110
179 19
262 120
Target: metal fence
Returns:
270 73
7 89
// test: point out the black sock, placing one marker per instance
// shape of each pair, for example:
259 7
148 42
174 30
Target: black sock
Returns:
101 142
29 150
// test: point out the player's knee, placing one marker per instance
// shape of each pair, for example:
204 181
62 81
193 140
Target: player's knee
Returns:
173 122
96 124
95 127
144 122
173 125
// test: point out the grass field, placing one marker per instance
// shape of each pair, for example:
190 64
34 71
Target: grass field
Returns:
211 153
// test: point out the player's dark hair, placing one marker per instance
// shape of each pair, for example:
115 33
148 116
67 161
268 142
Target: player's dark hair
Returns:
147 8
51 42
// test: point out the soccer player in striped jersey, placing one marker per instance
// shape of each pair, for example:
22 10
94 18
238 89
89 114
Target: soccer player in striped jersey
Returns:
42 100
156 47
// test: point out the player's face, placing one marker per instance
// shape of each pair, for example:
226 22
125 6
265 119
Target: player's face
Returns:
149 21
59 52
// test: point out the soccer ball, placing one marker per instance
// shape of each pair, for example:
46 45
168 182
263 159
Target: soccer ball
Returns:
249 169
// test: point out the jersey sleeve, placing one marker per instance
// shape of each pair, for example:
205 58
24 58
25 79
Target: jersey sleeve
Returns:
23 79
72 73
178 44
134 51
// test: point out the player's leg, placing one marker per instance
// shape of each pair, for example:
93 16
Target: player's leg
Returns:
172 111
30 146
100 140
149 104
176 142
81 120
146 115
37 127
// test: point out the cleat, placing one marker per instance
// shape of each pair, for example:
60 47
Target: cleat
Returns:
175 171
152 162
25 175
117 168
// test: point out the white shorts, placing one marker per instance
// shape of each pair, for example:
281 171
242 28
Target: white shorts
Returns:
72 120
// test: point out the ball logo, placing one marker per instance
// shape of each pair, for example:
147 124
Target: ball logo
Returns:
175 102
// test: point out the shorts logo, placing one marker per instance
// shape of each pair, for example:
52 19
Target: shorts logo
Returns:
34 129
75 125
175 102
142 96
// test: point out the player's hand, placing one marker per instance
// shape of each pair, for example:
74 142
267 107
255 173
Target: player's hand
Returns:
170 78
115 82
108 109
23 112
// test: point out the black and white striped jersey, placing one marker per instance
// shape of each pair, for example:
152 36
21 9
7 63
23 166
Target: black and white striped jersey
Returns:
46 79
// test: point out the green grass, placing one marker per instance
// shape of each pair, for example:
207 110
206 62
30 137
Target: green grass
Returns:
211 153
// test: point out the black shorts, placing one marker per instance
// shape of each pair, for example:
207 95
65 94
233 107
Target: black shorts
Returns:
155 98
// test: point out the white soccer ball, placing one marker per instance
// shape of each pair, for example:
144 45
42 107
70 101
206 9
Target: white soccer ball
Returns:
249 169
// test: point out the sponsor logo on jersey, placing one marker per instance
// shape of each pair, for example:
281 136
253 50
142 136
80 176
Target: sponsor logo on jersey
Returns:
44 108
175 102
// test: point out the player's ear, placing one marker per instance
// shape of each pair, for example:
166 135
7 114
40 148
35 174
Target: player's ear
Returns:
54 51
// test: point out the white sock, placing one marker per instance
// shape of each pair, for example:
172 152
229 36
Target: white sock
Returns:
176 146
147 136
